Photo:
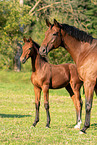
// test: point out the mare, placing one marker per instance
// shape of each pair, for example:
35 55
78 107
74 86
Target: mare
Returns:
83 49
47 76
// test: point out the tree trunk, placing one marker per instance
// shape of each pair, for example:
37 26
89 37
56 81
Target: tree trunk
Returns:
17 63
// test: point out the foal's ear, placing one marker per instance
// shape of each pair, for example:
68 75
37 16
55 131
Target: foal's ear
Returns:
30 39
48 23
24 38
57 24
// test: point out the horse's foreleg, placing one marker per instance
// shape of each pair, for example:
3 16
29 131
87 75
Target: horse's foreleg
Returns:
37 104
46 103
89 89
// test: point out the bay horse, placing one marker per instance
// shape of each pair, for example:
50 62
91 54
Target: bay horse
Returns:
83 49
47 76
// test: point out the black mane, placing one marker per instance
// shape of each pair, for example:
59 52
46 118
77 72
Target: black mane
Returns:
76 33
37 47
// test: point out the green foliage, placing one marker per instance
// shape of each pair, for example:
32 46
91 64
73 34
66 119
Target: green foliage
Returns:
59 56
29 20
91 13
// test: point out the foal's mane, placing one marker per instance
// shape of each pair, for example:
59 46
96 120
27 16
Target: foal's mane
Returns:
36 46
76 33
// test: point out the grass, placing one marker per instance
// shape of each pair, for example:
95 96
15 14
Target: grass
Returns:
17 113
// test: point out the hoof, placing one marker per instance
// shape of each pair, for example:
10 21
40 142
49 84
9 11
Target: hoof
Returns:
76 127
81 132
32 127
47 126
34 124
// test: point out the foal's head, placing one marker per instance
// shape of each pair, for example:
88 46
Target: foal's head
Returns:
28 49
52 39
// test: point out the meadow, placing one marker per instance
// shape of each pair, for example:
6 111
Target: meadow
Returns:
17 114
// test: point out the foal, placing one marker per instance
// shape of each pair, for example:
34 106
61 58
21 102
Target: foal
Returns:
47 76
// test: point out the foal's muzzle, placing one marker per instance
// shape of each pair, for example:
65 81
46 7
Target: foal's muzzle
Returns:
23 59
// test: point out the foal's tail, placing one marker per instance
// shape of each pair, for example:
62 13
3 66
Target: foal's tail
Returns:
83 90
95 91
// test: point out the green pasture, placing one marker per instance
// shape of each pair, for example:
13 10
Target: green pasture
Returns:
17 113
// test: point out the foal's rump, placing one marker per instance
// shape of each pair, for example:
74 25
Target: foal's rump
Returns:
60 76
63 74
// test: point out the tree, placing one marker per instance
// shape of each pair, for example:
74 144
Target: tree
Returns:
29 20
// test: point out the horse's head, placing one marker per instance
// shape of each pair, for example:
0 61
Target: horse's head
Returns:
52 39
27 49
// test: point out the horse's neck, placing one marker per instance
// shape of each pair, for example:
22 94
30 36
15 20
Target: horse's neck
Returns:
73 46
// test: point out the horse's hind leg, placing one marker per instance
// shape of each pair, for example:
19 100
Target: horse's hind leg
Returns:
75 95
46 103
37 104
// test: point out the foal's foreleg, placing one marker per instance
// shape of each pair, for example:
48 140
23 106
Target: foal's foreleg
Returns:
46 103
37 104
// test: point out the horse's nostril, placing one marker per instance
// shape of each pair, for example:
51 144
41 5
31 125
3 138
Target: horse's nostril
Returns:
43 50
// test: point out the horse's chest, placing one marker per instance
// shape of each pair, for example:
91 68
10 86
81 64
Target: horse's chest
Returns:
88 69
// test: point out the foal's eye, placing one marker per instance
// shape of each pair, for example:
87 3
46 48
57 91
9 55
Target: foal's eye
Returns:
30 48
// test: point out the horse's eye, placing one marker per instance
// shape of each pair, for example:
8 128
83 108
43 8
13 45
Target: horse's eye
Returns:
55 34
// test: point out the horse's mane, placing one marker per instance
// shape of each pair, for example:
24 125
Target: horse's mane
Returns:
76 33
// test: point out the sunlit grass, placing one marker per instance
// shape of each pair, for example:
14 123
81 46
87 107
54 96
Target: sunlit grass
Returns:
17 113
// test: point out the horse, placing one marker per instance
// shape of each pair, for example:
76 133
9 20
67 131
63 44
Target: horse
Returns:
83 49
47 76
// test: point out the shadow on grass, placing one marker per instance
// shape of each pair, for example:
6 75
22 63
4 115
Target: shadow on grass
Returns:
71 126
94 125
13 116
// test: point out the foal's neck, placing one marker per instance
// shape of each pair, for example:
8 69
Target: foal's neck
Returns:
37 60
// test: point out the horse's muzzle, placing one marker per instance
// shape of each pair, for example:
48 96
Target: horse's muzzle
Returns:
42 51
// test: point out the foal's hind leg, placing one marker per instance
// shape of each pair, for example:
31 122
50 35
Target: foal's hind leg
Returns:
37 104
77 103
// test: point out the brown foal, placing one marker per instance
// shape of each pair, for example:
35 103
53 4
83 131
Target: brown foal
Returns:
47 76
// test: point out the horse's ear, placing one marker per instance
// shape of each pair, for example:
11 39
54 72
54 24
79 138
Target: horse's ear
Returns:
24 38
57 24
48 23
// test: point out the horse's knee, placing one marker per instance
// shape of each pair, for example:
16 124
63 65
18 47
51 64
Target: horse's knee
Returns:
46 105
88 107
37 106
